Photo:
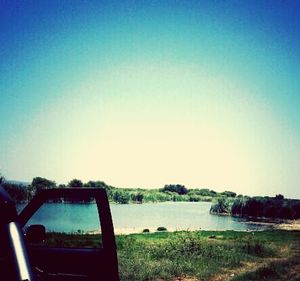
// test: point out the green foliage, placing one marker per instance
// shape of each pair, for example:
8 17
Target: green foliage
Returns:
39 183
18 192
156 196
121 197
75 183
222 206
178 188
161 228
228 194
99 184
225 203
266 207
195 196
179 198
206 192
137 197
170 256
197 255
279 196
79 239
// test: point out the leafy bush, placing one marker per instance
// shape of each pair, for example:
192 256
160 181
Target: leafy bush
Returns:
266 207
137 197
121 197
42 183
222 206
17 192
161 228
178 188
75 183
229 194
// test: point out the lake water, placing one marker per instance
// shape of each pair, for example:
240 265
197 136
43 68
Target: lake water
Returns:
130 218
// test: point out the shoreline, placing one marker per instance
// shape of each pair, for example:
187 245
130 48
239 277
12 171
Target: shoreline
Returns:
289 225
280 224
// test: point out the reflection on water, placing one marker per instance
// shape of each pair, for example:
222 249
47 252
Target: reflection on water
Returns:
69 217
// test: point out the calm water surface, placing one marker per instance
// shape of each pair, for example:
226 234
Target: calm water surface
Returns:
135 217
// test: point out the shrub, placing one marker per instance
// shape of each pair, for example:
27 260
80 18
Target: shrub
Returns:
161 228
178 188
121 197
75 183
222 206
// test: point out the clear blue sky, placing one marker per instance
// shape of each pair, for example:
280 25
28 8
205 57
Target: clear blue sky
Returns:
147 93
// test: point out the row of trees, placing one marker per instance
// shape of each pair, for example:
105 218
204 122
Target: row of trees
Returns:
258 207
226 202
170 192
23 193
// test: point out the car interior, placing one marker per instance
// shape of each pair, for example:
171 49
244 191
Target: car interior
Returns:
61 263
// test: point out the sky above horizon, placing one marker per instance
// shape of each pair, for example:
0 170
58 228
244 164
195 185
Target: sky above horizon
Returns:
148 93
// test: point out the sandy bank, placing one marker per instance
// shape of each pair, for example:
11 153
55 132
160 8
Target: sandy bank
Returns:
288 225
280 225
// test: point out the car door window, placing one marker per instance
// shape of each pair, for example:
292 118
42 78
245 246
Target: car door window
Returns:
66 224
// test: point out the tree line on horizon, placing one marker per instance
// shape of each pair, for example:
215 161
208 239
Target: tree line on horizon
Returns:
170 192
226 202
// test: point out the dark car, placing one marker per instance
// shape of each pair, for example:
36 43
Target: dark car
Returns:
24 256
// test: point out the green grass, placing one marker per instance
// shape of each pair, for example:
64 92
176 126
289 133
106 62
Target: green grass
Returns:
55 239
277 270
196 254
199 254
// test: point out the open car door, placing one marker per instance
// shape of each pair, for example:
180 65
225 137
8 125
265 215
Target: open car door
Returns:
72 263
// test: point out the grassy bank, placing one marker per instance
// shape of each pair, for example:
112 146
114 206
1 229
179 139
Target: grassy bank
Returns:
206 255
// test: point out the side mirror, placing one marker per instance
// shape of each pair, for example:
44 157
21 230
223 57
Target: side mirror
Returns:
36 233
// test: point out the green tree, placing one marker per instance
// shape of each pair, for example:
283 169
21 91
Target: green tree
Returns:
222 206
279 196
42 183
121 197
18 192
229 194
203 192
178 188
100 184
75 183
137 197
193 197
